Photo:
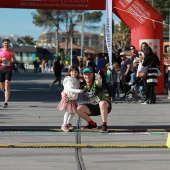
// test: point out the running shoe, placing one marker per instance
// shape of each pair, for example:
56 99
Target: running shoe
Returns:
65 128
89 126
104 129
5 105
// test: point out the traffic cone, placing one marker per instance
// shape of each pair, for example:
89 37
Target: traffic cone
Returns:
168 141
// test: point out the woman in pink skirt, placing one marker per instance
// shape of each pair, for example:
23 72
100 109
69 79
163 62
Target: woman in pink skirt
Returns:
71 85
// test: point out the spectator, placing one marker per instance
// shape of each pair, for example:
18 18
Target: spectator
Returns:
23 67
96 63
109 81
46 67
118 59
143 45
84 60
116 81
101 66
140 84
87 61
75 60
36 66
125 73
50 65
43 65
81 67
134 63
15 67
151 60
92 64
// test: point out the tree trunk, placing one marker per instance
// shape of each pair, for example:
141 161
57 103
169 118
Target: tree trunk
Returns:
57 43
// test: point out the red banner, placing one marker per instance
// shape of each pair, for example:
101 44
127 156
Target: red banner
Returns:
146 26
55 4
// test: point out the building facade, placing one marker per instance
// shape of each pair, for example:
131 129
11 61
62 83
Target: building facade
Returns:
90 39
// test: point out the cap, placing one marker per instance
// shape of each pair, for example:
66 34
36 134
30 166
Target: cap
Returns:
122 53
87 70
132 48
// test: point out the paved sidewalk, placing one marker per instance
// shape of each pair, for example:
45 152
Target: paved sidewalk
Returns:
32 112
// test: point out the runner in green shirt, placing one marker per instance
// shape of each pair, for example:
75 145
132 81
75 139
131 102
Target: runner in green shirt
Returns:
98 103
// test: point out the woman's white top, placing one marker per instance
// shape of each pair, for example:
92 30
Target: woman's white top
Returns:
139 68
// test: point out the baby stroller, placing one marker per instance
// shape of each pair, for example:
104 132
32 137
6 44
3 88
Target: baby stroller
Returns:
135 93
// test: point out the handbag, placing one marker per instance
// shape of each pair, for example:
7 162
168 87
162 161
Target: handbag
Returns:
144 71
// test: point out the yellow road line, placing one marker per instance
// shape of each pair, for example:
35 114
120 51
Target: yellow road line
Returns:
43 145
157 130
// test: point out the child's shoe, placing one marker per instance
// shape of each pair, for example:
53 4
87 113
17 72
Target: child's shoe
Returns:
65 128
70 126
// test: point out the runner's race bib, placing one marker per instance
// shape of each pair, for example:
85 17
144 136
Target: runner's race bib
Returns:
6 63
94 100
92 97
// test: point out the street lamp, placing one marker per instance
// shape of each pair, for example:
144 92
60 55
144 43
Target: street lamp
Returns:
71 43
82 32
102 36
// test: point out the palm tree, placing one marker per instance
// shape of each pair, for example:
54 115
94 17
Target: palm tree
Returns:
28 40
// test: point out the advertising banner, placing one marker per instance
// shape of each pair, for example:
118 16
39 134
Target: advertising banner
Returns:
55 4
108 32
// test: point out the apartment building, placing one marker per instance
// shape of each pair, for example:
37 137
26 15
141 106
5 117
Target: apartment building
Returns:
92 40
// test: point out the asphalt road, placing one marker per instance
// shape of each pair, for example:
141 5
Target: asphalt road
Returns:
31 120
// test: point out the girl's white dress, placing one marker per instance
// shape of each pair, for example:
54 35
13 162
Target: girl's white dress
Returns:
71 88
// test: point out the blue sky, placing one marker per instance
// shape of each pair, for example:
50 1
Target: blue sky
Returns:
19 22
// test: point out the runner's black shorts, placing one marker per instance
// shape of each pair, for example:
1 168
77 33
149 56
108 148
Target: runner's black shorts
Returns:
5 75
95 110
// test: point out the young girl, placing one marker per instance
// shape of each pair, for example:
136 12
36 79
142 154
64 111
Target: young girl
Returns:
71 85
